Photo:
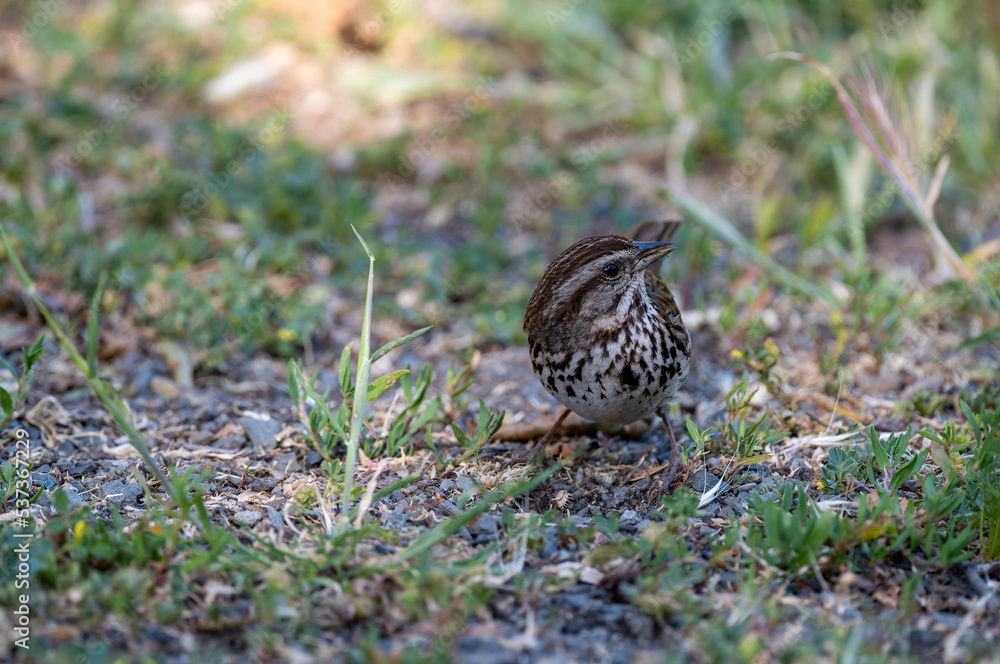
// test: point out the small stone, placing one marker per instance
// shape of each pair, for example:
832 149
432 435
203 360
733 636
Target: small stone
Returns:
120 493
769 497
43 480
701 481
711 510
230 442
447 485
247 518
640 625
285 464
200 437
642 525
261 429
74 499
629 515
620 493
313 458
465 484
275 518
488 523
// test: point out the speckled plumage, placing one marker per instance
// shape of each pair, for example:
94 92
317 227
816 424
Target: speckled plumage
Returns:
611 349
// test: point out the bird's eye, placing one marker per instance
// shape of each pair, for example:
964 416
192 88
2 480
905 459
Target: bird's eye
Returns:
611 271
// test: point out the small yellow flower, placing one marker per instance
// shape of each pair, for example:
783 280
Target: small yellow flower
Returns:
78 529
738 354
285 334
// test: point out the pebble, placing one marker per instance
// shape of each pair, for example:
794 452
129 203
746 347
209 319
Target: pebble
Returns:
43 480
275 518
488 523
619 494
464 483
629 515
247 518
73 498
642 525
447 485
711 510
640 625
120 493
284 464
701 481
261 432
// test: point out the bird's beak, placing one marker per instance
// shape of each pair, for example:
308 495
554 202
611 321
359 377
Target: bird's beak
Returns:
650 252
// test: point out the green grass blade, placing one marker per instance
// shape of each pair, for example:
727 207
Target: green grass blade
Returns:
108 396
94 325
725 231
397 343
360 386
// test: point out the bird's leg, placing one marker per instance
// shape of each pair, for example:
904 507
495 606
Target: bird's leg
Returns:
534 450
675 452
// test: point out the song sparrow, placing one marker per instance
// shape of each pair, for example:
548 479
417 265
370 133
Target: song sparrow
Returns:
605 334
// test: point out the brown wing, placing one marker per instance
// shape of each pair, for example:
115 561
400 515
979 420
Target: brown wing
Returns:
655 230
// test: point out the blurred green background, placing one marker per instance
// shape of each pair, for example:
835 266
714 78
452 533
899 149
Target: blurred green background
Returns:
210 155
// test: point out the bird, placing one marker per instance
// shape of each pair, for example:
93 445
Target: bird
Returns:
605 334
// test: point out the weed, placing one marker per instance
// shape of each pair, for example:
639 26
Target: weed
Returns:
10 406
747 440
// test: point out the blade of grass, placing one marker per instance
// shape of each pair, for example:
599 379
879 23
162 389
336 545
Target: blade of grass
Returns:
377 355
728 233
360 386
454 524
111 400
94 324
907 187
